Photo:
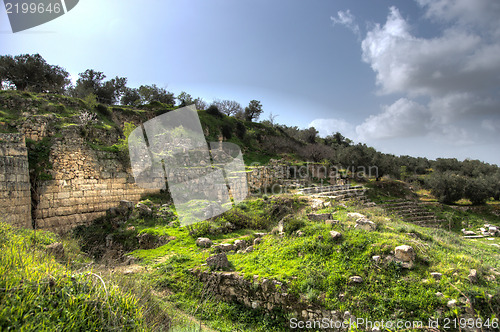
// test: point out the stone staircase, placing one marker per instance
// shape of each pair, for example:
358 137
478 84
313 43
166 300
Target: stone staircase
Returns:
411 211
338 193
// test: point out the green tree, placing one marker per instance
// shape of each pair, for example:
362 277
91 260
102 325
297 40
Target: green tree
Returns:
92 82
151 93
447 186
477 190
228 107
185 99
253 110
32 73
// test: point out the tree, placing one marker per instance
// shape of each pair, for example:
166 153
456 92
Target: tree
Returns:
151 93
32 73
200 104
309 135
185 99
228 107
92 82
131 97
253 110
447 186
477 190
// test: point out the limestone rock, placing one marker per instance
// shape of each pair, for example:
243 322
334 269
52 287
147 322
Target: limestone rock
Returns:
473 276
356 215
218 262
204 242
144 210
335 235
376 258
452 303
355 280
257 241
405 253
365 224
436 275
240 244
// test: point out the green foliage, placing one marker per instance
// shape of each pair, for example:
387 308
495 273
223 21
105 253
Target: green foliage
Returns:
38 158
477 190
122 144
39 294
214 111
32 73
448 187
293 225
253 110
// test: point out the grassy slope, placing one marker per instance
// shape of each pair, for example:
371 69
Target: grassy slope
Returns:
37 293
319 269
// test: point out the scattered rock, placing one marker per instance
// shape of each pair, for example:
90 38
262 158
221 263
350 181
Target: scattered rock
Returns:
257 241
109 240
218 262
259 234
151 241
240 244
225 247
469 233
376 259
204 242
355 280
249 249
144 210
335 235
331 222
319 216
56 249
126 207
130 228
299 233
439 294
452 303
356 215
492 230
365 224
436 275
473 276
405 253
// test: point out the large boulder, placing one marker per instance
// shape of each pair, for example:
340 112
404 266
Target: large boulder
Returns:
204 242
335 235
365 224
125 208
218 262
406 255
355 215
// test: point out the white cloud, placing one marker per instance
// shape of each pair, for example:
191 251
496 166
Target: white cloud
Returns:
346 19
327 127
455 75
404 118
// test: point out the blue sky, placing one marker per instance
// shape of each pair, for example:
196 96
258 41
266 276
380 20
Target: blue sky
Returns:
415 77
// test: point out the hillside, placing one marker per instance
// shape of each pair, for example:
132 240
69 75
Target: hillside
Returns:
349 245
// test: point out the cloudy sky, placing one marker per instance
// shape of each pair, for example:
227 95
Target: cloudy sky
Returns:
416 77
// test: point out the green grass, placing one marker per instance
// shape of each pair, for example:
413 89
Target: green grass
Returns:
317 269
40 294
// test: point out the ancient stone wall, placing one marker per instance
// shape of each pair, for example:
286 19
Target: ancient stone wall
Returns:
15 196
86 182
268 295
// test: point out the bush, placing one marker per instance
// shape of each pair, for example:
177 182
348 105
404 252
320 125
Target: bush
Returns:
448 187
214 111
241 130
293 225
227 131
477 190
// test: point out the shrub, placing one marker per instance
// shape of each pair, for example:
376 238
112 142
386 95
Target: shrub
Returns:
448 187
241 130
227 131
214 111
293 225
477 190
